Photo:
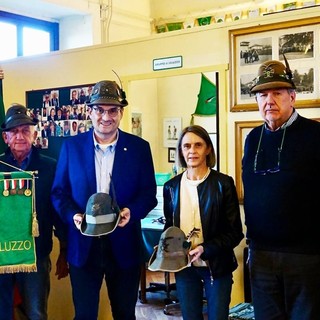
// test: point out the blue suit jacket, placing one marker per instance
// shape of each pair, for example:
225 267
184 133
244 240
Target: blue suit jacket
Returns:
135 187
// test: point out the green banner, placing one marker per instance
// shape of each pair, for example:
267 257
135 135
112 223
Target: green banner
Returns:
18 220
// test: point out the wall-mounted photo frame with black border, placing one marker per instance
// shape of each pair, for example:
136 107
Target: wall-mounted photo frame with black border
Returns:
171 155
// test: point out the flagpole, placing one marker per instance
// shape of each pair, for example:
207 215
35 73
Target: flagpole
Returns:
3 146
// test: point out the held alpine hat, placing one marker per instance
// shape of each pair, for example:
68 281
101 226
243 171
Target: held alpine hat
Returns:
172 253
273 74
101 217
17 115
108 93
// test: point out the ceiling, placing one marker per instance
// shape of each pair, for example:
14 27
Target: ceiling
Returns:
57 9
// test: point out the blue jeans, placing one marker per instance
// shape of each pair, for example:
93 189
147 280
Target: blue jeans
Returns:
122 284
34 289
285 285
190 283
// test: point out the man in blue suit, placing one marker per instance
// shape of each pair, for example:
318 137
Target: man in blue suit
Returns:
108 160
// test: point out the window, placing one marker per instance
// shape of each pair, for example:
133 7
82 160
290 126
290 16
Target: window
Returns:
35 41
8 40
24 36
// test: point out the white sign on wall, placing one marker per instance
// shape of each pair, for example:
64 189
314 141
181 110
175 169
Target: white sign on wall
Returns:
167 63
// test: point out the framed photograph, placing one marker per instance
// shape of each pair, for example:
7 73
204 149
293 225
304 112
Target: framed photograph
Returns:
241 131
171 154
136 123
250 47
171 131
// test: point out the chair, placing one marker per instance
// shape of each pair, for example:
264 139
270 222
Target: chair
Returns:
166 286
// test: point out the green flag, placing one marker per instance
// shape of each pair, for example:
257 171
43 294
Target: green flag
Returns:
2 114
207 98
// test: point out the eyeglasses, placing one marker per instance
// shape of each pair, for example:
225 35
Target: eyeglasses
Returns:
113 112
277 167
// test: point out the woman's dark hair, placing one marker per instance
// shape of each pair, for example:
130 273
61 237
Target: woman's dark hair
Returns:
203 134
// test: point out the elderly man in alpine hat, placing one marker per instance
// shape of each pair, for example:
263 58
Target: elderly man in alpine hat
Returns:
281 177
18 132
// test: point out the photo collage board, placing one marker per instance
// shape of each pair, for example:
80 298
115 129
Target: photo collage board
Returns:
62 112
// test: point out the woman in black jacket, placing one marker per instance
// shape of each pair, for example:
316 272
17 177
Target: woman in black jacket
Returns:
203 203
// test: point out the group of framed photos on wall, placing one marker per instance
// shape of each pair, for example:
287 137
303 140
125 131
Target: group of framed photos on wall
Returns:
299 41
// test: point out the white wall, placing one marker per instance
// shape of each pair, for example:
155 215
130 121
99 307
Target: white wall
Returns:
120 20
77 32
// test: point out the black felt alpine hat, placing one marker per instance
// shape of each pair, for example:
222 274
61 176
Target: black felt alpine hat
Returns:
17 115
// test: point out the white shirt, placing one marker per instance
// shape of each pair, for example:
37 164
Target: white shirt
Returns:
104 158
190 220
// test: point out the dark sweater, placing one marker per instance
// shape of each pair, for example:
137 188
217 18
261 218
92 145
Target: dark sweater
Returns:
282 209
